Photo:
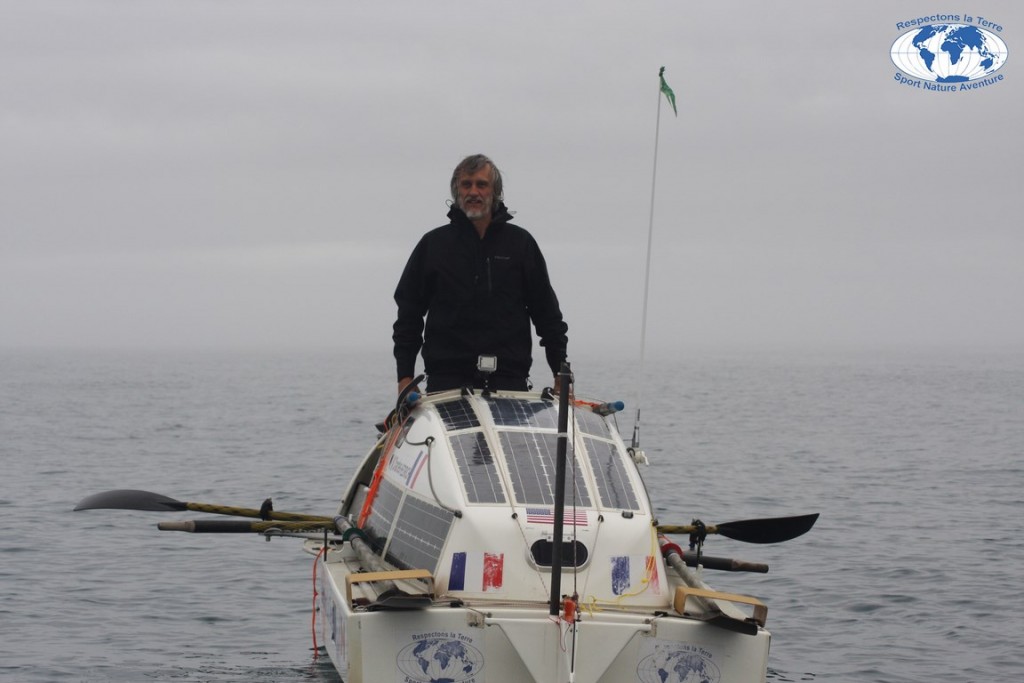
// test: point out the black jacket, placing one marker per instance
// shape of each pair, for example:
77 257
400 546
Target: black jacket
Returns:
478 296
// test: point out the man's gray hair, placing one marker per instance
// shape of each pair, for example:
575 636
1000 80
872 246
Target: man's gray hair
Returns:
472 164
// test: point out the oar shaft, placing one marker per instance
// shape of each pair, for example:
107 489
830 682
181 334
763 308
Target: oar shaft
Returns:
252 512
230 526
725 564
685 528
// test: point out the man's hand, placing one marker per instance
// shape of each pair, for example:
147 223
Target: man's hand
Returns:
404 382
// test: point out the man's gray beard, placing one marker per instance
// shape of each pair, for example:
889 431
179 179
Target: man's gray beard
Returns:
476 214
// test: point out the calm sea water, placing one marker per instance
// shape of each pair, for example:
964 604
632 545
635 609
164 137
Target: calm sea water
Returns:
915 462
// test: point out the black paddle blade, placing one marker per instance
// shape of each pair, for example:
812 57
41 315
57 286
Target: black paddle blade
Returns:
130 499
771 530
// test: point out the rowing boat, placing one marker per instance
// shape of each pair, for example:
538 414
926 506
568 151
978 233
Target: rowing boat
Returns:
500 537
451 576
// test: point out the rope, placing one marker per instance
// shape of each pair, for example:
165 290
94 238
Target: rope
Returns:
428 442
316 595
650 570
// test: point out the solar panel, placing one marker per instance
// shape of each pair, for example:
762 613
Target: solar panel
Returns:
521 412
592 423
419 535
613 486
478 468
530 457
457 414
382 514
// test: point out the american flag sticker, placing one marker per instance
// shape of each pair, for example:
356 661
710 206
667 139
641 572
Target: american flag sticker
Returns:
635 574
547 516
477 572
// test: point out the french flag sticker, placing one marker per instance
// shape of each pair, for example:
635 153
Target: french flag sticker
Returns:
476 572
633 574
414 471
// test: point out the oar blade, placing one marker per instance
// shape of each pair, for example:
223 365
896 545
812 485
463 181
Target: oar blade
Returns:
770 530
130 499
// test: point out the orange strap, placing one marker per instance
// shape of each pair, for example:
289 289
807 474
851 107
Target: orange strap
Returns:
378 473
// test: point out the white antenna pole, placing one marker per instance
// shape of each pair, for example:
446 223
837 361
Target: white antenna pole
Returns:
662 87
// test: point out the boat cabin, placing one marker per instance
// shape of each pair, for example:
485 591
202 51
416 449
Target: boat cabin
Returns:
465 490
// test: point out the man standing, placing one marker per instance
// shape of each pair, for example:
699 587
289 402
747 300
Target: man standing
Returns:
479 281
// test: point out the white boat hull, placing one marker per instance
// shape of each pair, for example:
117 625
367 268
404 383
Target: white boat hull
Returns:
493 643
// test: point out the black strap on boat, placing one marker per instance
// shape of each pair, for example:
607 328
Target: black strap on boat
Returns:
356 532
697 537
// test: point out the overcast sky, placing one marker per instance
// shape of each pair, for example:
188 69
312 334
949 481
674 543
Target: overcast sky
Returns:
256 173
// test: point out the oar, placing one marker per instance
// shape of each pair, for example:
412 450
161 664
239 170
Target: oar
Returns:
769 530
237 526
132 499
390 596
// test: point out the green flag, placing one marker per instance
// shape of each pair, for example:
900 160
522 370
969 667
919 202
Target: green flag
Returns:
669 95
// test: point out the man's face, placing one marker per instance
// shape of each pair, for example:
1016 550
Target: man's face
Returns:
476 194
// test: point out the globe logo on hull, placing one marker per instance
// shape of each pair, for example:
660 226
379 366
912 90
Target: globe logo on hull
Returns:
686 664
948 53
440 659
